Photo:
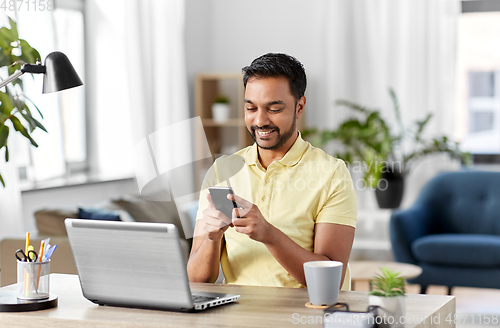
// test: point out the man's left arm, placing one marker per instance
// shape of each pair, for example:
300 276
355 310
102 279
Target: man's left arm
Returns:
331 241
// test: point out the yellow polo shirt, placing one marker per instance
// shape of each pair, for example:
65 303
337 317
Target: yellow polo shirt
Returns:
305 187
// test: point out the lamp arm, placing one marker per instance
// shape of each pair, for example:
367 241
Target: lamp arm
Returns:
27 68
36 69
11 78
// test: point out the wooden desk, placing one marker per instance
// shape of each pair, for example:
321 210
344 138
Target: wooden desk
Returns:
257 307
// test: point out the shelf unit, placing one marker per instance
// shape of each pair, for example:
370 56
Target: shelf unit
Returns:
231 135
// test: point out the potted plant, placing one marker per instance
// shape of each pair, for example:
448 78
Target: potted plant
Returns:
220 109
386 156
14 109
388 294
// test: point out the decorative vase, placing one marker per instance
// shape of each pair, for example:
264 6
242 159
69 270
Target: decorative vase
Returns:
391 311
390 188
220 112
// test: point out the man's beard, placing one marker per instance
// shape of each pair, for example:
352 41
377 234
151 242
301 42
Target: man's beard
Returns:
282 139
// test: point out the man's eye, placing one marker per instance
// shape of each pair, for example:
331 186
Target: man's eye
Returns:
251 108
275 110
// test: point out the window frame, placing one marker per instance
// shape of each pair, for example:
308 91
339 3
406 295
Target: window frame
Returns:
83 166
476 6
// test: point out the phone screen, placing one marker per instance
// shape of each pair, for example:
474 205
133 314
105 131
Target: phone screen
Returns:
219 198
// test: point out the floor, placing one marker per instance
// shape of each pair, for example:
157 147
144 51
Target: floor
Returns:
476 307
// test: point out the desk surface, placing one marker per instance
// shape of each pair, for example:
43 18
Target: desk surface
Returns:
257 307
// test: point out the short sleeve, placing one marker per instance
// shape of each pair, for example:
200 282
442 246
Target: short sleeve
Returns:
341 204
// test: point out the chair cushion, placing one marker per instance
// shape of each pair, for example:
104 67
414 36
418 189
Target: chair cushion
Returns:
466 250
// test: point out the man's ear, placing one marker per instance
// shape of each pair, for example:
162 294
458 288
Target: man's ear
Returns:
300 106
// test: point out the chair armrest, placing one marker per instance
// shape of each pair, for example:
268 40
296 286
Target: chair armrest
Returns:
407 226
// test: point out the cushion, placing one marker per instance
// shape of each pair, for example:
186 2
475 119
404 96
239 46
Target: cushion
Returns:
51 222
466 250
143 210
98 214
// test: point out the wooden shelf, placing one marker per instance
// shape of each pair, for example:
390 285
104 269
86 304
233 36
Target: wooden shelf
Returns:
231 135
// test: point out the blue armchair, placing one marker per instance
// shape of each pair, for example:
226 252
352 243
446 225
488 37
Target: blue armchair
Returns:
452 231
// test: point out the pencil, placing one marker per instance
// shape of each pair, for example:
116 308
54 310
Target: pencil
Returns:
40 257
27 243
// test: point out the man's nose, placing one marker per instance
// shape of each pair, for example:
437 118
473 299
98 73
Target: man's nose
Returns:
261 118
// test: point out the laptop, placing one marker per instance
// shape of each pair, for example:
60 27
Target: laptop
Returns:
135 264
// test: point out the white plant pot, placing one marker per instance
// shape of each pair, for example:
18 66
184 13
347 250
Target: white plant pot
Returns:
220 112
392 310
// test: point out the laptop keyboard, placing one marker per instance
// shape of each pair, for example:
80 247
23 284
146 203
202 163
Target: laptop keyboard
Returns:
199 298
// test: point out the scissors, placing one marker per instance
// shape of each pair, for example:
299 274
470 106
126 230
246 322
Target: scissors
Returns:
32 256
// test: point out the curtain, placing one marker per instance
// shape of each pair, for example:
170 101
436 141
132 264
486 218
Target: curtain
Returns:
139 100
407 45
136 55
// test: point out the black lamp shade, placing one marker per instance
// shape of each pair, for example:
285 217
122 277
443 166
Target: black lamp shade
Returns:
59 74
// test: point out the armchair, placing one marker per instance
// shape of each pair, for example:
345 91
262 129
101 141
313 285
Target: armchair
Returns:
452 231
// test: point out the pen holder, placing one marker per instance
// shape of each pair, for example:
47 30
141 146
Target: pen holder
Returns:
33 280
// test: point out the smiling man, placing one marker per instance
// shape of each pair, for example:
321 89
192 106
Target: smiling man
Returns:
297 204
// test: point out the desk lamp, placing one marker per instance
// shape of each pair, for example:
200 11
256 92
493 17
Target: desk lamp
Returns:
58 72
59 75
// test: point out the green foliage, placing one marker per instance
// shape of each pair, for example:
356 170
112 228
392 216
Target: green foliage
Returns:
221 100
14 110
368 139
387 284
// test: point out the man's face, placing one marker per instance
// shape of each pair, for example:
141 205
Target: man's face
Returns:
271 111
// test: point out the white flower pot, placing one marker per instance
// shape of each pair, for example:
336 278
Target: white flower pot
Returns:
220 112
391 312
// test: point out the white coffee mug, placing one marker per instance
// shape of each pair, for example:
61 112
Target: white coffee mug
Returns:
323 281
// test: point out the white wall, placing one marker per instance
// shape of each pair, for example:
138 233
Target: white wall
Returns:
226 35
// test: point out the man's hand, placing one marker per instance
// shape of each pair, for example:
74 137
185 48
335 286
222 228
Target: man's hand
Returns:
214 222
248 220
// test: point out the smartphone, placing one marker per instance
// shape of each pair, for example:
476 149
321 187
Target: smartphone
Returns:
219 198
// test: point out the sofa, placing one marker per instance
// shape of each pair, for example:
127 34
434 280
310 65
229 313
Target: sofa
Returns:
50 223
452 231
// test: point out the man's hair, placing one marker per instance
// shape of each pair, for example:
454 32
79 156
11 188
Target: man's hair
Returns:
276 65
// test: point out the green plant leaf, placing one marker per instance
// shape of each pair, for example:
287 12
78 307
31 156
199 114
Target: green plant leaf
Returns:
6 103
13 28
388 283
20 128
36 107
7 36
4 134
6 153
1 180
29 54
32 120
376 293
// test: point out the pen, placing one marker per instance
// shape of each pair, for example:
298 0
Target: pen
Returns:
49 253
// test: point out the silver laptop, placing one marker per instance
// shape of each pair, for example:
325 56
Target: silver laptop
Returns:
135 264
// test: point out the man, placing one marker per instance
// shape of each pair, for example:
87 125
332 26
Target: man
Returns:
297 203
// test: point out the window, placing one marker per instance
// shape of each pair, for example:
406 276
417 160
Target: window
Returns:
63 150
478 74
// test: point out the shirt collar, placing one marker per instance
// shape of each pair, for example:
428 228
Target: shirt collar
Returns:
291 158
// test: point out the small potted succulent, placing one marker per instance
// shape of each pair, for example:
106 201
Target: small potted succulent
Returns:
388 293
220 109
